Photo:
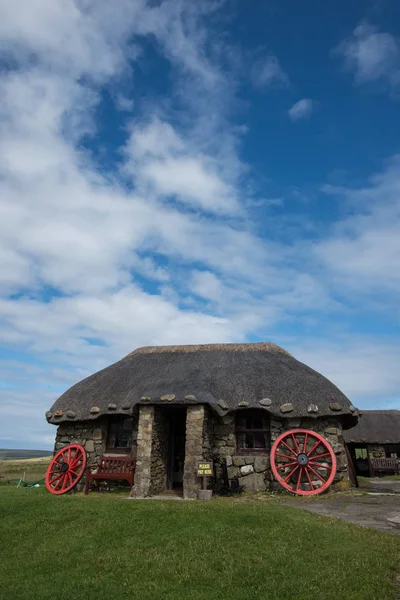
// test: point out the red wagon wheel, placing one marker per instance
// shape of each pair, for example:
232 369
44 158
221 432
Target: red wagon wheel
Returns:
66 469
303 462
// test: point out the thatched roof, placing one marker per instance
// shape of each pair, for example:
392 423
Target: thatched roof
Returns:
375 427
225 376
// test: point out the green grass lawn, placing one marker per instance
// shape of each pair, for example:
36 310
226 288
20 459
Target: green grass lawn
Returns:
101 547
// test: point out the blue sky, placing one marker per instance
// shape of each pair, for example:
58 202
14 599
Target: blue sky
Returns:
180 172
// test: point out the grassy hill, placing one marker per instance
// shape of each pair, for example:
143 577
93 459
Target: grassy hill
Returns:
23 454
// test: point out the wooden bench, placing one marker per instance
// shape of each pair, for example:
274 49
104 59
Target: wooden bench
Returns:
385 465
111 467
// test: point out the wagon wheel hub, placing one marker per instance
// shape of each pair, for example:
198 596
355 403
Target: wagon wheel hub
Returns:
66 469
303 462
302 459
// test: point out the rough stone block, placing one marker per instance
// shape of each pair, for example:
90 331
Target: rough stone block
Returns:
254 482
338 448
332 430
238 461
293 423
222 430
249 460
226 450
167 397
246 469
89 446
229 461
265 402
261 463
190 398
232 472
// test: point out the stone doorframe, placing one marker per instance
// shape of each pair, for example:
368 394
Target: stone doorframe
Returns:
193 451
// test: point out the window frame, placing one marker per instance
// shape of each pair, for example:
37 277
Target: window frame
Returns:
118 449
266 430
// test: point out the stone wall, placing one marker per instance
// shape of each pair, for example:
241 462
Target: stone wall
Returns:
207 437
92 435
195 418
141 488
159 453
254 470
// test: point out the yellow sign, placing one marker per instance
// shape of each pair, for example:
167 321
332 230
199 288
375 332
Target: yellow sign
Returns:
204 469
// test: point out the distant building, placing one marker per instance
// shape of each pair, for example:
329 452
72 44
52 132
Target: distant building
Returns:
376 435
170 407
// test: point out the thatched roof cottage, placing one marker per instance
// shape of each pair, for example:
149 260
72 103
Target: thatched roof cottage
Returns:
376 435
172 406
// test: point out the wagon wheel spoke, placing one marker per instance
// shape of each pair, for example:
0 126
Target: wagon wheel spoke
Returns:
60 481
299 479
290 474
317 474
314 448
284 455
305 442
296 444
321 466
65 482
289 448
287 465
75 461
309 479
55 479
318 456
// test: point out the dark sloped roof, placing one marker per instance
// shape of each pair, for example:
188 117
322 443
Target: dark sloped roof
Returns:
225 376
375 427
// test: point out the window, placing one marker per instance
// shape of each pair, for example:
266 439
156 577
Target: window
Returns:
361 453
120 433
252 431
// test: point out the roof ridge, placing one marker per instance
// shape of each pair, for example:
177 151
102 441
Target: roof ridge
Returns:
228 347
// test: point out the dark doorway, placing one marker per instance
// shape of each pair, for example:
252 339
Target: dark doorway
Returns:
359 455
176 447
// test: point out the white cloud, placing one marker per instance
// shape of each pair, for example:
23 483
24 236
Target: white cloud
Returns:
365 369
364 250
371 55
268 73
301 110
123 103
161 161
